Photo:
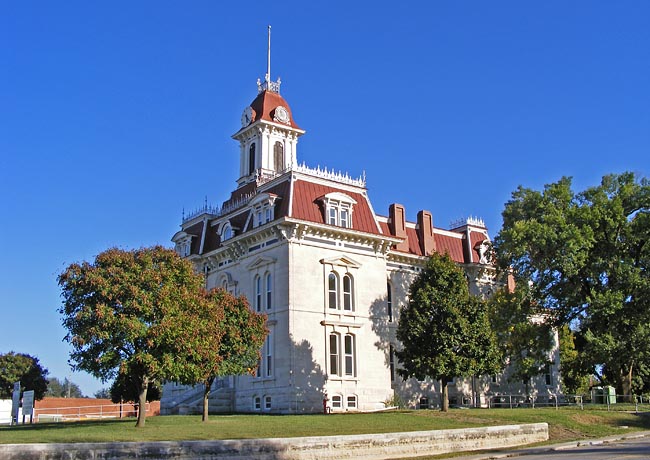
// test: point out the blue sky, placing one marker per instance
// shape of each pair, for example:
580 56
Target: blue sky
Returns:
116 116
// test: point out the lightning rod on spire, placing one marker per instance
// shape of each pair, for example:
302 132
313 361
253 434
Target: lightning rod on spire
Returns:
268 85
268 57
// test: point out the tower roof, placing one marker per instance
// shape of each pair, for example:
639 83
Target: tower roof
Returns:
264 106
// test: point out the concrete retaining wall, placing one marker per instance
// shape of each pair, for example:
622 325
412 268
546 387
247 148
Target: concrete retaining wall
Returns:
369 446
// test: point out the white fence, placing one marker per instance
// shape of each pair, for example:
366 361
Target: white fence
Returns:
70 413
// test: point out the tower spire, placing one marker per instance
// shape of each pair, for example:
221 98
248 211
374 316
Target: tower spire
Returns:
268 57
268 85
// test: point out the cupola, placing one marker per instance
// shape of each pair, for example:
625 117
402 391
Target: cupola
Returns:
269 134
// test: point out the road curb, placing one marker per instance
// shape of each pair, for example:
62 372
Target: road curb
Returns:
500 454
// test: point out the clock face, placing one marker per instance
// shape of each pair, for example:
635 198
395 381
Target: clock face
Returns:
247 117
281 114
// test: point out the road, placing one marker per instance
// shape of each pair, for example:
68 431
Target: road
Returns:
632 448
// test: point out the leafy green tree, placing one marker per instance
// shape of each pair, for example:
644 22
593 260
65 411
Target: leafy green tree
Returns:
525 338
227 342
65 389
105 393
23 368
445 332
587 256
575 377
126 388
123 310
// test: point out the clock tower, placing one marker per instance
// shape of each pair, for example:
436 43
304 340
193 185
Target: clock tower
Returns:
269 134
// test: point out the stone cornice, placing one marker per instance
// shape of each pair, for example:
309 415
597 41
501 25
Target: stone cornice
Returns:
297 229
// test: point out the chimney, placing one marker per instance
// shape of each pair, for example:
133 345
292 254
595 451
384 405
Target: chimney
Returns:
397 225
425 233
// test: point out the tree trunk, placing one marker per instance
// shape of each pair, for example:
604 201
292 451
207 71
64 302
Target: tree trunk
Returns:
206 398
527 390
626 382
445 395
142 402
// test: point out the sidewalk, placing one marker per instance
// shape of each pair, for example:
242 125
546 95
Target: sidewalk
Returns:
509 453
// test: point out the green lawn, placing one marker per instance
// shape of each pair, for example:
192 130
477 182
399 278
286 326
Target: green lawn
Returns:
565 424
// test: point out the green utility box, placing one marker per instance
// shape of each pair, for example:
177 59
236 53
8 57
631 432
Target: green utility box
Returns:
604 395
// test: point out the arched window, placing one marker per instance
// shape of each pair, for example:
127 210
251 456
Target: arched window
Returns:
278 157
258 293
251 159
348 292
269 291
334 354
333 290
257 403
352 402
348 355
226 232
389 302
268 355
337 402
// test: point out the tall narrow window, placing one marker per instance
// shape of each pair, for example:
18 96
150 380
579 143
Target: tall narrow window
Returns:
348 350
258 293
278 157
389 302
269 291
391 358
268 352
548 378
345 218
333 290
332 216
348 291
334 354
251 159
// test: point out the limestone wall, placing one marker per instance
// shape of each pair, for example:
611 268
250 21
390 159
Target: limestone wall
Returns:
371 446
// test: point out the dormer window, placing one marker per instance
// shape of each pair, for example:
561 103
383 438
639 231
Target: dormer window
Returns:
263 209
226 232
338 209
183 243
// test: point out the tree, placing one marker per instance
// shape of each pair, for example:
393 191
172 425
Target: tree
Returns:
122 310
126 388
228 341
445 332
23 368
105 393
65 389
575 378
587 255
525 338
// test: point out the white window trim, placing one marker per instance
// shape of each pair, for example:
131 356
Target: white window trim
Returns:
341 356
336 202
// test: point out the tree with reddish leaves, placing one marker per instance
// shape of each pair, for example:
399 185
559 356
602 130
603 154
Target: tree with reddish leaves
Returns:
227 341
126 312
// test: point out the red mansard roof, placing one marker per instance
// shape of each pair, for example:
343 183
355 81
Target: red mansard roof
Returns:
475 239
452 246
306 205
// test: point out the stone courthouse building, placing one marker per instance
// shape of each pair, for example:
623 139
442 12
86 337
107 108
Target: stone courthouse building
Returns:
307 248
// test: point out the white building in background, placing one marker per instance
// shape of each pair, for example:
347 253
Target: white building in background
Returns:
307 248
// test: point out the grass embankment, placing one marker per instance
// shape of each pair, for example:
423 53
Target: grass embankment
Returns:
564 425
